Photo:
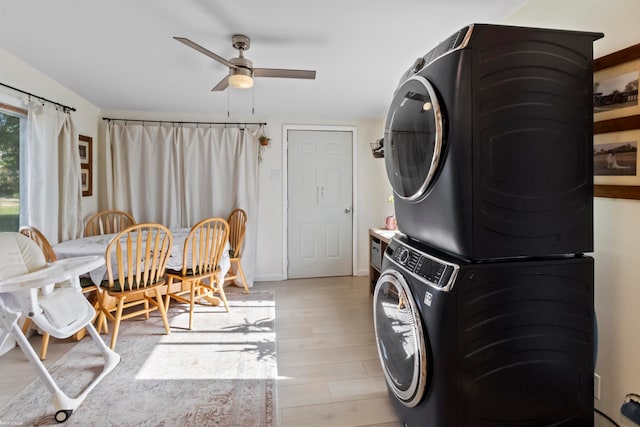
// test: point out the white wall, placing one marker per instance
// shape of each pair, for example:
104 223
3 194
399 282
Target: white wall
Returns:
16 73
617 234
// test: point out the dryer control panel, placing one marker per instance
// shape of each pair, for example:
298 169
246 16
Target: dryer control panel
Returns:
429 269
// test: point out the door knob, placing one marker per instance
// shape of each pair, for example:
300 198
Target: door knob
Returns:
347 210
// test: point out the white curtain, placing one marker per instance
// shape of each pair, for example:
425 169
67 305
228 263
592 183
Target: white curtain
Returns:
145 178
53 186
178 175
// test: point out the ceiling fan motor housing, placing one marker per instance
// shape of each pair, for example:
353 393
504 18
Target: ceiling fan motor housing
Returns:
244 65
241 42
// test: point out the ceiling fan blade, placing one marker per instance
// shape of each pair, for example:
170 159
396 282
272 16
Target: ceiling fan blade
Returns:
207 52
284 73
222 84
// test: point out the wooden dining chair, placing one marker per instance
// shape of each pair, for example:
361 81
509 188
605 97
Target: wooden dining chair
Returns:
136 259
108 222
50 256
202 251
36 235
237 228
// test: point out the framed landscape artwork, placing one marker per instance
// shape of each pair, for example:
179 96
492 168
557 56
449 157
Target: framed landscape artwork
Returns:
85 176
615 158
615 91
85 149
616 127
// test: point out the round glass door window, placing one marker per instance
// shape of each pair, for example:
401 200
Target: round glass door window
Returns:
413 138
399 337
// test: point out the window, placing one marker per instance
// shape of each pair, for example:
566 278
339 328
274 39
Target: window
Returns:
12 122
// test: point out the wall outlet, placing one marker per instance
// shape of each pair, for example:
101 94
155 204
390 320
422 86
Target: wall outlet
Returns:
596 386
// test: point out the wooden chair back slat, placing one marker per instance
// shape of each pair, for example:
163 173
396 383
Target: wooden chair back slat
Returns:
204 246
141 253
237 228
108 222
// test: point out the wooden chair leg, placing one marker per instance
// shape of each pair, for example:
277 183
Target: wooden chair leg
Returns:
244 279
45 346
26 325
163 312
102 313
101 324
116 323
80 334
237 273
45 338
223 297
100 320
167 299
192 299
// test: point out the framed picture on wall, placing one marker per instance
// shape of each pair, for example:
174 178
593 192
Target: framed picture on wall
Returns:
615 158
85 148
615 91
616 127
86 179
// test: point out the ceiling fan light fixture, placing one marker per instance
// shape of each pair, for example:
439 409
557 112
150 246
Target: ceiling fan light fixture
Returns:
240 78
241 71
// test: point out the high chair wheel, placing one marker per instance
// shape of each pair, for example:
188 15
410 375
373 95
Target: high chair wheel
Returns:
63 414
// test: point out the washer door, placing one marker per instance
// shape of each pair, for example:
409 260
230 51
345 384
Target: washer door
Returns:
413 138
400 338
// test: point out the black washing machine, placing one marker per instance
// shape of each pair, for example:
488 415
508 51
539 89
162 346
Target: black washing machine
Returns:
488 143
500 343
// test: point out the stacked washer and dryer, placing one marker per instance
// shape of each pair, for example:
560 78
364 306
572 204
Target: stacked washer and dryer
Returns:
484 309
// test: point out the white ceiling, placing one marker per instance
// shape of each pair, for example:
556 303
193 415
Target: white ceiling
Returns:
120 54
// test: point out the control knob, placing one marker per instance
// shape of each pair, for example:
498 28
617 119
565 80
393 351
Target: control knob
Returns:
403 255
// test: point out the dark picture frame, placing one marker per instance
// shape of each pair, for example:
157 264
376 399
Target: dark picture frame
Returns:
85 148
86 179
619 123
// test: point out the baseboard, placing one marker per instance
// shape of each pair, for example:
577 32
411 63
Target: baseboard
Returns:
267 278
278 277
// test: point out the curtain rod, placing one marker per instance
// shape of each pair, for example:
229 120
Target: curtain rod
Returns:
186 123
65 107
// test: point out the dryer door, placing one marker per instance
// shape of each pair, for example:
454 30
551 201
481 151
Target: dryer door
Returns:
400 338
413 138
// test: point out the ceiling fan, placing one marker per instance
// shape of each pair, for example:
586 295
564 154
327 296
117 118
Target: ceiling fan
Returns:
241 70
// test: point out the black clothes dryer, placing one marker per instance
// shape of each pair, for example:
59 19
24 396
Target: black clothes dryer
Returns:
502 343
488 143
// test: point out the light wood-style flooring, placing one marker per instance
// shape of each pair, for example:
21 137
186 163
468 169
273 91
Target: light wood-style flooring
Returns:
328 367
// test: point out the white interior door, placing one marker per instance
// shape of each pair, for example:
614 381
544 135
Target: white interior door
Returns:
320 188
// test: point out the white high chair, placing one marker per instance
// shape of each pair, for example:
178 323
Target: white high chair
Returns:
50 294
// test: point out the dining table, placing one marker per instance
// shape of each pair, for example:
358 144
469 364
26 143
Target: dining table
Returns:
97 245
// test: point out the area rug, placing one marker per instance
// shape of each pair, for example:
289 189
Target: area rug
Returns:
221 373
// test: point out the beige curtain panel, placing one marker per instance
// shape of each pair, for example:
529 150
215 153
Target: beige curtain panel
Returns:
179 175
